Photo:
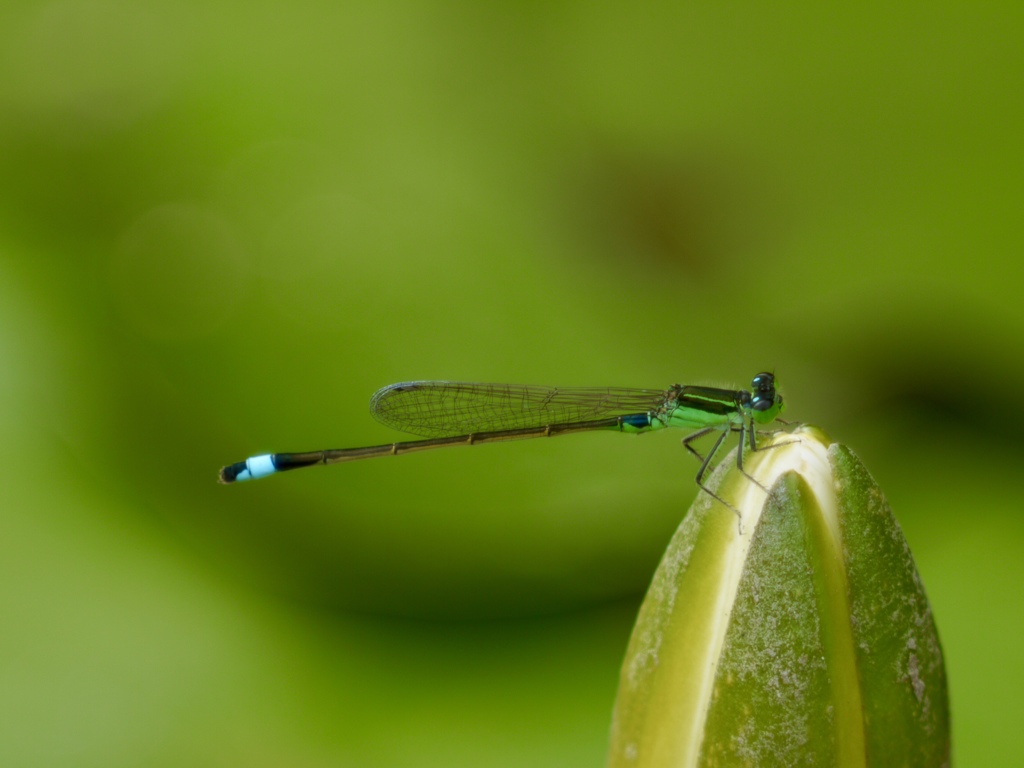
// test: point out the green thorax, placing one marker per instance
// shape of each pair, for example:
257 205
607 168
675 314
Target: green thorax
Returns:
695 407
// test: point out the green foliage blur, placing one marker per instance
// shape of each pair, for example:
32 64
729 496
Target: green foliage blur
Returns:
224 225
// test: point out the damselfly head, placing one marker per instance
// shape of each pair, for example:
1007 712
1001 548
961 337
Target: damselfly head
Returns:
765 402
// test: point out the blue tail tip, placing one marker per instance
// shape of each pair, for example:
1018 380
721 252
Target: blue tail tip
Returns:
250 469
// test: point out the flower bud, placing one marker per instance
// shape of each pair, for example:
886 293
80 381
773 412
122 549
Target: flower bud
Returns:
799 634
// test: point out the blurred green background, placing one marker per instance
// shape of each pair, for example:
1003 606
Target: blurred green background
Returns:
224 225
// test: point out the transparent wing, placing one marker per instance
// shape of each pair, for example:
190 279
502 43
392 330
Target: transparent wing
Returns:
449 408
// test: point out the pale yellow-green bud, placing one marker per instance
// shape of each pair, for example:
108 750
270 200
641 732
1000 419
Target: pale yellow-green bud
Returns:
801 637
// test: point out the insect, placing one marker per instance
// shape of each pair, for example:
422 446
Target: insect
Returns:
447 413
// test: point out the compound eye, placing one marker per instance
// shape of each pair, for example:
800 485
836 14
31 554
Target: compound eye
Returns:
763 382
762 403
